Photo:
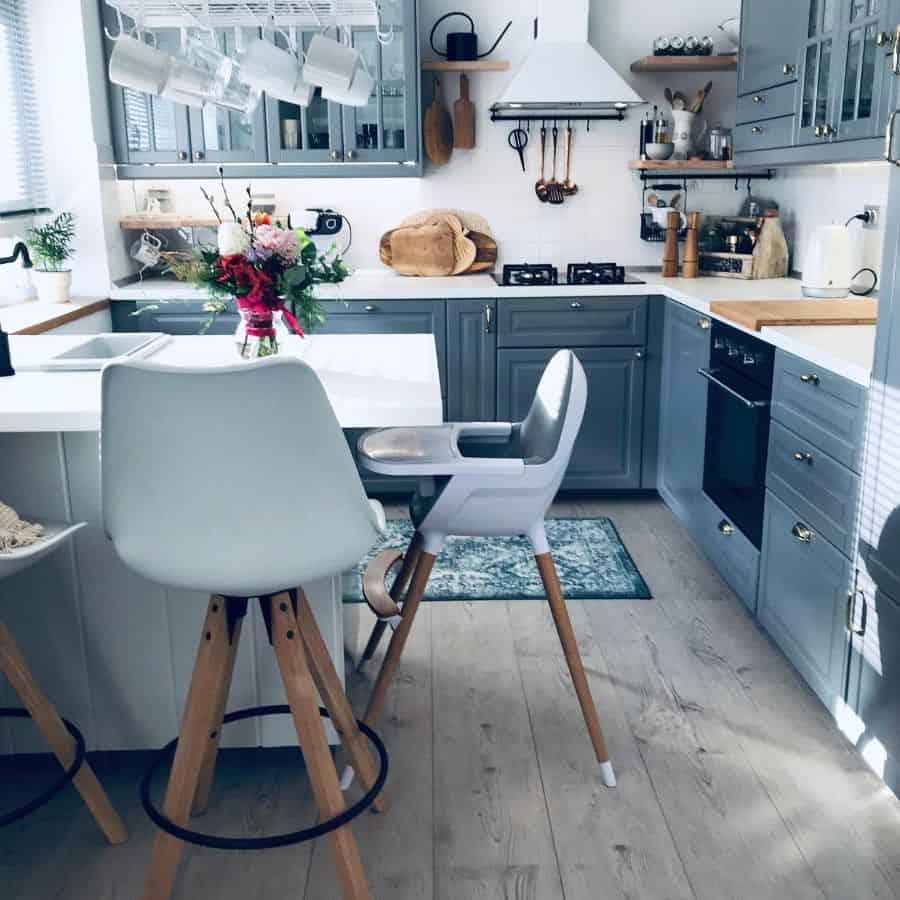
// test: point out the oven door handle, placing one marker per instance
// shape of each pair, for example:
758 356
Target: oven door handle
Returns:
710 375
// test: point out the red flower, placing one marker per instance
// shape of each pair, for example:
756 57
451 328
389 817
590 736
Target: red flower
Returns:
253 287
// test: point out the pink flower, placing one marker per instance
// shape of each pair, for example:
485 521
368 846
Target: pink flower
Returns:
281 243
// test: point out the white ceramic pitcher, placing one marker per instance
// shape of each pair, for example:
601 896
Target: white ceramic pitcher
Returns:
684 132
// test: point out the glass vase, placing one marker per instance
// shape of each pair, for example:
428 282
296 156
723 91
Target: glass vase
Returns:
258 333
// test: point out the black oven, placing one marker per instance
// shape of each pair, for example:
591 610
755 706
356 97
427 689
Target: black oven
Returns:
737 427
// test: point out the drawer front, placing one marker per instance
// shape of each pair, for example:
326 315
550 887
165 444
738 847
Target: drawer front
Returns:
572 322
734 557
803 598
182 317
822 491
391 317
824 408
771 103
764 135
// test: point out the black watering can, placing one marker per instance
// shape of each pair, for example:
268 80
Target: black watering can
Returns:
463 45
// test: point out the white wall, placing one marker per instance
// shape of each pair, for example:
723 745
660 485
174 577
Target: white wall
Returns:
601 223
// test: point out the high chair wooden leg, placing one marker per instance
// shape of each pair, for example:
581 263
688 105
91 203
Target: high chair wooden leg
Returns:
208 767
48 722
570 649
298 684
398 588
212 669
335 699
398 640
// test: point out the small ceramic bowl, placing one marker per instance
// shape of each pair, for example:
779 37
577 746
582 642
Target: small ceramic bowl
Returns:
660 151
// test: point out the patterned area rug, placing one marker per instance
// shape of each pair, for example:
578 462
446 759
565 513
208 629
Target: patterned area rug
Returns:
592 561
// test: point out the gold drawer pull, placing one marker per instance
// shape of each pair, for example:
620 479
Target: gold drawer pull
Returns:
759 98
802 457
810 378
802 533
575 304
371 307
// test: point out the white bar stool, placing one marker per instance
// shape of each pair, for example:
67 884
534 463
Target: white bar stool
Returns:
481 479
193 498
63 737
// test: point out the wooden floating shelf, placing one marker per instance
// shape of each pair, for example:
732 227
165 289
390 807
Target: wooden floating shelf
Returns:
165 221
475 65
681 165
685 64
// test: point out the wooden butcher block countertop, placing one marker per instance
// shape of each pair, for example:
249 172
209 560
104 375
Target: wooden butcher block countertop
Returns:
757 314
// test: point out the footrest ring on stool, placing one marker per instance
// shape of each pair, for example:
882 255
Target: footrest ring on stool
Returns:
278 840
64 779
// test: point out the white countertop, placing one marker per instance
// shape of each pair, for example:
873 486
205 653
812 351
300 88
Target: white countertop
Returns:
371 380
35 317
846 350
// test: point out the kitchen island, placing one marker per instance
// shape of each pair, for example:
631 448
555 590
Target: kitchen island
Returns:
113 650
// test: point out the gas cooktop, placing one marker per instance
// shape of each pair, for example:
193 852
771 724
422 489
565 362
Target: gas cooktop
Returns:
531 275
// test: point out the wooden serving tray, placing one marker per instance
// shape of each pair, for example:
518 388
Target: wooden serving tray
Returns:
485 260
756 314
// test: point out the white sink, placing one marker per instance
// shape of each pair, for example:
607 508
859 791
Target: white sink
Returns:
95 352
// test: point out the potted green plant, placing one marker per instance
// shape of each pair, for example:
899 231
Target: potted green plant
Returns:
51 248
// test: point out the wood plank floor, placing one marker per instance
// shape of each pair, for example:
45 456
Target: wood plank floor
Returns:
733 781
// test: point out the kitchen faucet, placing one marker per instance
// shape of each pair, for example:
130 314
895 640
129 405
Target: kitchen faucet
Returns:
5 363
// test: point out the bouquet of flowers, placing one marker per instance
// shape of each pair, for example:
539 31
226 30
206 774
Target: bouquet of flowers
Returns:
266 270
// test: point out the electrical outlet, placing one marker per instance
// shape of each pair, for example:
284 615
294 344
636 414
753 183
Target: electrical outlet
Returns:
874 217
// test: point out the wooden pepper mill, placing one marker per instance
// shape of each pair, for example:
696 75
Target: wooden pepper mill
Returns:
670 251
691 255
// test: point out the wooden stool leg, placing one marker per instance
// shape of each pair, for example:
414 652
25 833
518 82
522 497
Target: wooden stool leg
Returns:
211 668
398 588
335 699
298 685
49 723
570 649
398 640
208 767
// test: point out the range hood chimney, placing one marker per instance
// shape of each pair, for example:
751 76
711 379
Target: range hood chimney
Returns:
563 75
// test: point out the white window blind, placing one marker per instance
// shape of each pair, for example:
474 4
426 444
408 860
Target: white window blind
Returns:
22 174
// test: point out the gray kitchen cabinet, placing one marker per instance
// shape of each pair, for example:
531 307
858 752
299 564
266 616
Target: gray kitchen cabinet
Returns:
846 89
154 138
803 595
471 360
180 317
682 432
770 32
607 454
874 685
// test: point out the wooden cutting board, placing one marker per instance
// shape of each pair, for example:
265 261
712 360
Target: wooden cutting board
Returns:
485 258
756 314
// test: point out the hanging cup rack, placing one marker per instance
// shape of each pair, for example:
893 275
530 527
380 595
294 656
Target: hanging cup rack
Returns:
209 14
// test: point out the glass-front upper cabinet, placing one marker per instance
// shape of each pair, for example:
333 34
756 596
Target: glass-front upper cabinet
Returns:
300 134
860 112
234 133
816 79
386 128
148 129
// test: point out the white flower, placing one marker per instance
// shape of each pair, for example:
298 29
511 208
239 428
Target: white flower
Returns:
232 239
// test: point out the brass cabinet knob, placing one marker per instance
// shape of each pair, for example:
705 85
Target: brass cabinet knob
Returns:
371 307
576 304
759 98
809 378
726 528
788 68
802 533
182 154
336 155
351 155
803 457
198 155
756 130
638 354
884 39
704 324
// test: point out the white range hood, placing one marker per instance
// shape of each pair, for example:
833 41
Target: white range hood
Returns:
563 75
